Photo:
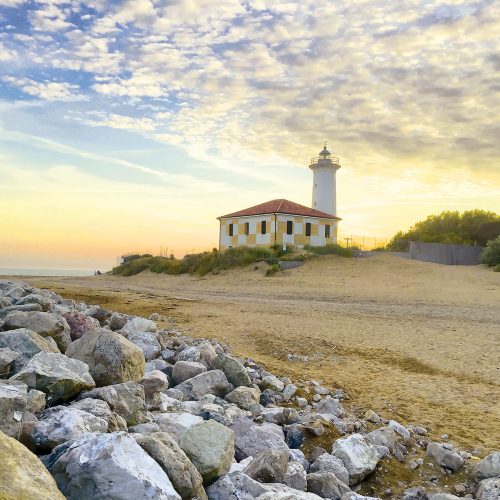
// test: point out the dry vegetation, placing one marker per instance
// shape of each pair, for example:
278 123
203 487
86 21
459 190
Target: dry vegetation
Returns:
414 341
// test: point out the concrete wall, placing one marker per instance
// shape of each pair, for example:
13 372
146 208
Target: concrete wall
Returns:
440 253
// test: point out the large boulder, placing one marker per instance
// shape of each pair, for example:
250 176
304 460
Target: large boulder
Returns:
329 463
489 489
269 466
25 342
59 377
112 359
147 342
101 409
110 466
273 383
167 453
296 476
184 370
235 486
35 298
44 323
277 491
138 324
79 324
60 424
326 485
235 372
488 467
23 475
154 383
244 397
126 400
445 456
210 447
251 438
176 423
212 382
13 402
359 457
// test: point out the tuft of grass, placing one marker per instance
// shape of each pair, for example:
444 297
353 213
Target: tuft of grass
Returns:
497 268
273 270
331 249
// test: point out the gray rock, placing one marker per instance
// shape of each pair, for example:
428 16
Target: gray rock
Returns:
385 436
25 342
489 489
146 428
210 447
401 430
184 476
154 317
417 493
251 438
330 406
298 456
176 423
13 402
442 496
212 382
360 457
289 391
24 308
329 463
98 313
110 466
488 467
79 324
117 321
268 466
60 424
154 384
7 356
355 496
207 354
326 485
101 409
188 354
147 342
244 397
296 476
126 400
273 383
112 359
235 486
184 370
235 372
373 417
59 377
44 323
279 491
35 298
37 400
445 456
138 324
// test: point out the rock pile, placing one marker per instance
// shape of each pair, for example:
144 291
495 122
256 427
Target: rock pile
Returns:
98 404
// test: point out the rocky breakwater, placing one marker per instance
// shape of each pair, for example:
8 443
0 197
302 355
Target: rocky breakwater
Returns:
97 404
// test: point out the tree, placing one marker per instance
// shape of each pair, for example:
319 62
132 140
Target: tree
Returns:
491 254
470 227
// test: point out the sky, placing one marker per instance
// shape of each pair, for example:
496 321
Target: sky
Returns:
131 125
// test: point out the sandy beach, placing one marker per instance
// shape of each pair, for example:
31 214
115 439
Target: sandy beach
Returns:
414 341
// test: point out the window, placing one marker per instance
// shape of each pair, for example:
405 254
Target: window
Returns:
289 227
247 228
263 228
231 231
308 229
327 230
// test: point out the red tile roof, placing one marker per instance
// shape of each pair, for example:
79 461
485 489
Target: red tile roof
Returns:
280 206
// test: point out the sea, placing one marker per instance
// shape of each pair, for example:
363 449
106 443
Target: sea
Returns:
44 272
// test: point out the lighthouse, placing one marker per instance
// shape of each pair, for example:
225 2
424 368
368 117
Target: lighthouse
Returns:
324 194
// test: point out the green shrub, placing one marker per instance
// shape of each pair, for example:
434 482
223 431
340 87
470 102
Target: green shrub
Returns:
330 250
491 254
273 270
497 268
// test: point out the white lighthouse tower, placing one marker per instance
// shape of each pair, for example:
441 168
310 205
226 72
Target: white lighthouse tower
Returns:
324 195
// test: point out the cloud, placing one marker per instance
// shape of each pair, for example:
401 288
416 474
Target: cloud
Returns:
50 91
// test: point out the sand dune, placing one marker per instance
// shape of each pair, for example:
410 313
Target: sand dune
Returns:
414 341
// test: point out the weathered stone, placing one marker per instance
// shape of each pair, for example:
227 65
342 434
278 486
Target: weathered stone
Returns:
400 429
294 435
488 467
154 384
326 485
188 354
13 402
329 463
108 466
273 383
385 436
37 400
23 475
138 324
184 370
126 400
101 409
235 372
59 377
298 456
79 324
330 406
25 342
442 496
235 486
207 354
416 493
117 321
268 466
489 489
289 391
112 359
24 308
60 424
7 356
296 476
280 415
212 382
98 313
45 324
279 491
184 476
147 342
176 423
210 447
360 457
251 438
244 397
445 456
